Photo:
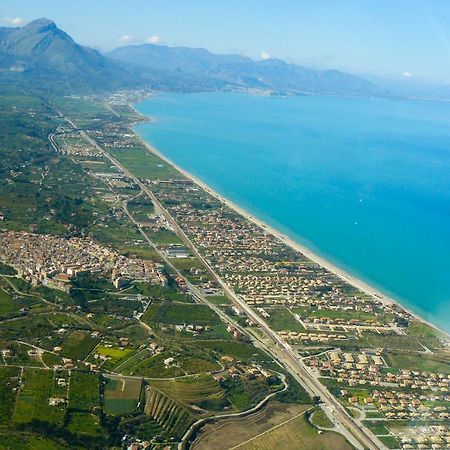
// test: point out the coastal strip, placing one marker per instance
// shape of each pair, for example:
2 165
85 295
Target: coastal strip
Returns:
341 273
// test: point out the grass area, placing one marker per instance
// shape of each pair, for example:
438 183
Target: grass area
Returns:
179 314
320 419
282 319
219 300
390 441
419 361
297 434
85 424
84 391
390 342
376 426
121 395
115 354
33 400
164 237
427 335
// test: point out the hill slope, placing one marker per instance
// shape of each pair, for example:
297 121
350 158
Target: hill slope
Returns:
41 52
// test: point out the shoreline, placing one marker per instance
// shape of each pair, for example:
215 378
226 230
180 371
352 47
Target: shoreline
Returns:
316 258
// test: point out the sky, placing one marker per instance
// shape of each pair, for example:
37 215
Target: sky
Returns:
404 39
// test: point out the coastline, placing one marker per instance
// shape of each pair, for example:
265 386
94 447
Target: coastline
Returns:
313 256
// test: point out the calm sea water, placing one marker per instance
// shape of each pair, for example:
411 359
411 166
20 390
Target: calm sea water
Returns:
363 182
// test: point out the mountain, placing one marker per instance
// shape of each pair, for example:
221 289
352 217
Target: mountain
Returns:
41 56
40 52
232 71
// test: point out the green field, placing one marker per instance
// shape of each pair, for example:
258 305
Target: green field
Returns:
144 164
164 237
33 400
282 319
219 300
122 395
78 345
84 391
115 354
179 314
85 424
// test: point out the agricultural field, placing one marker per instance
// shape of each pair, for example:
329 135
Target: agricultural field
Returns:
28 442
238 351
78 345
282 319
200 391
295 433
33 400
9 381
84 112
229 432
85 424
121 395
144 164
179 314
169 293
84 391
164 237
154 367
141 208
169 415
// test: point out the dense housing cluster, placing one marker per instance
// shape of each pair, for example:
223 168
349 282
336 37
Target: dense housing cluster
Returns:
52 259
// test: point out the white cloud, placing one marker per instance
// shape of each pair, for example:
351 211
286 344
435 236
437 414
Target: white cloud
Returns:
153 40
407 74
265 55
12 21
126 38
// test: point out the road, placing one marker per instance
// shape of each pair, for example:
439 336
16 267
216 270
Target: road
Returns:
359 436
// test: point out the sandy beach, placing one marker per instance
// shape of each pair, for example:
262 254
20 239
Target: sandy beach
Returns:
344 275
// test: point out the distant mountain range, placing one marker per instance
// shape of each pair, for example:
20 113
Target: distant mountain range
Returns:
235 71
41 55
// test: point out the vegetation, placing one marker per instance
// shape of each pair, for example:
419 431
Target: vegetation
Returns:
84 391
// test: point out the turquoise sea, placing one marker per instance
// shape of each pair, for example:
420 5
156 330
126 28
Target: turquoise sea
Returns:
363 182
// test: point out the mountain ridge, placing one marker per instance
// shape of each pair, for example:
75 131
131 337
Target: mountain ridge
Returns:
241 71
40 55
